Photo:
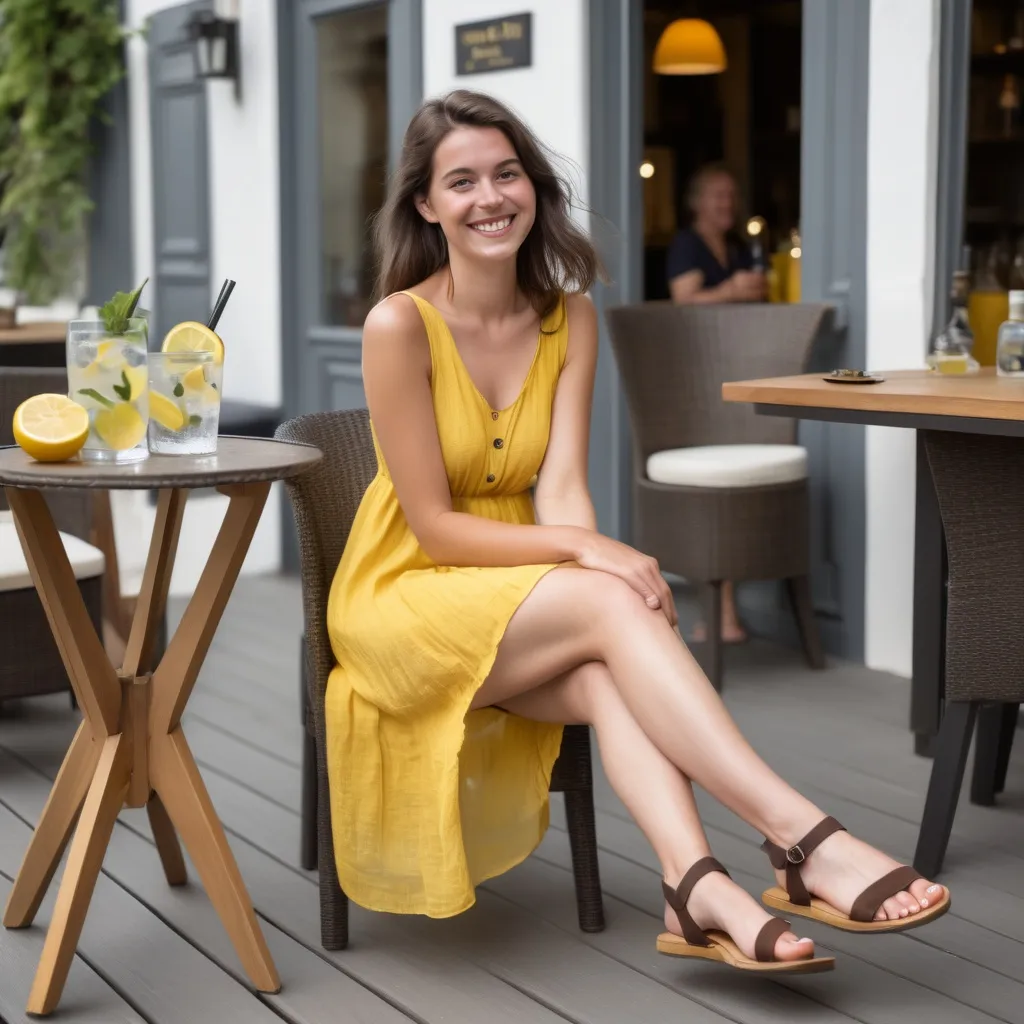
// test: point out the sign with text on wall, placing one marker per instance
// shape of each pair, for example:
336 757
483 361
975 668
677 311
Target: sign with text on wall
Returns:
497 44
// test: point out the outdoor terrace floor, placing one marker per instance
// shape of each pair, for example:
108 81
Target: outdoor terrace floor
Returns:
152 953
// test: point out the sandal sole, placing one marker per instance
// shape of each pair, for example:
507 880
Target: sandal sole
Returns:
723 950
825 913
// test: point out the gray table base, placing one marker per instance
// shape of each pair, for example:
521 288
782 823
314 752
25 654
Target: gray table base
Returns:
978 485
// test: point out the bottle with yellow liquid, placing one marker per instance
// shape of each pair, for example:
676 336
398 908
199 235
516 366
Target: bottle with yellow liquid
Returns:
987 307
952 348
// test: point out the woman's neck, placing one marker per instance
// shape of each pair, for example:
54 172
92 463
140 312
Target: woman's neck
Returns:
482 290
710 233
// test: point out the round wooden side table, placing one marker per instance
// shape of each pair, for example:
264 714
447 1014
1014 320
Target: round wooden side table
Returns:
129 750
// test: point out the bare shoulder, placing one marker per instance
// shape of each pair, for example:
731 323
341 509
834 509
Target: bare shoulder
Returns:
582 316
394 328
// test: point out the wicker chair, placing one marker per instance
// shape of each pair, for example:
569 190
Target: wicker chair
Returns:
673 361
979 483
324 502
31 664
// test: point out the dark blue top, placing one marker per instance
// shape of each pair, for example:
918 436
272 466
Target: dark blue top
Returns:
688 251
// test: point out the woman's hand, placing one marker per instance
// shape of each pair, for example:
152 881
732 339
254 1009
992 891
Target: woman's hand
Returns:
640 571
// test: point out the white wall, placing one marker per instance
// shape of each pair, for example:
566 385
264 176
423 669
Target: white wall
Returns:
245 242
551 95
902 156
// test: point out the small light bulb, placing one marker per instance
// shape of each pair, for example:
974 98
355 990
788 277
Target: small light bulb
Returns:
647 169
753 227
795 252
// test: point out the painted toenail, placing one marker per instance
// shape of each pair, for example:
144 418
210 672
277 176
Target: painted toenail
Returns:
933 888
924 903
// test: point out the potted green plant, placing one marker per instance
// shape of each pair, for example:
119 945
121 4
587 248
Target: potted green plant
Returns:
58 59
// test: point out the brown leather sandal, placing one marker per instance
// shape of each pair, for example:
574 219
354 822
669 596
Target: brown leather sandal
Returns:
795 899
716 945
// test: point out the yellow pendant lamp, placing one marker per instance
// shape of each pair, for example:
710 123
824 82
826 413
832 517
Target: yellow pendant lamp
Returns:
689 46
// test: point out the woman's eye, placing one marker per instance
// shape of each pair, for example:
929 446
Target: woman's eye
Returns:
460 182
507 174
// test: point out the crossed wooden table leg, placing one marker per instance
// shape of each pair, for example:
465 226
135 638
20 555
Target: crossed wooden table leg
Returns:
129 750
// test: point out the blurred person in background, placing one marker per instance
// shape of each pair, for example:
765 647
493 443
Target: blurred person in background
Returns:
710 262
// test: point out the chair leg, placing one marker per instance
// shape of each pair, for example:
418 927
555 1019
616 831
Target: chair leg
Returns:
712 655
333 901
307 821
1011 713
799 588
579 812
951 747
992 751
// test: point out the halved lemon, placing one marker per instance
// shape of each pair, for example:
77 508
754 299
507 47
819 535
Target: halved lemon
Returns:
165 412
190 336
50 428
120 427
195 379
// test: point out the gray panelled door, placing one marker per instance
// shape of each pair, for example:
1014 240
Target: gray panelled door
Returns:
353 76
350 80
833 225
181 187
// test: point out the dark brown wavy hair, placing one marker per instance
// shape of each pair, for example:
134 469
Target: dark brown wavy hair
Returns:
556 256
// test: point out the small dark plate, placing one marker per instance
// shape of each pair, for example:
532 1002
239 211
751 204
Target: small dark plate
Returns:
866 379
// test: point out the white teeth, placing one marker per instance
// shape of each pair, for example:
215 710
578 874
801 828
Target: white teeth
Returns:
491 226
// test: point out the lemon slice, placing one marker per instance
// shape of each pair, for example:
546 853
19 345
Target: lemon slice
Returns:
165 412
195 379
191 336
50 428
138 380
121 427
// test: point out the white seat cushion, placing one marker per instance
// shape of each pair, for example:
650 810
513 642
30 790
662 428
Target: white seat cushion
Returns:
729 465
86 561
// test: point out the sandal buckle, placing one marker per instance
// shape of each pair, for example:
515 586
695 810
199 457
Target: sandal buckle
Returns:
795 855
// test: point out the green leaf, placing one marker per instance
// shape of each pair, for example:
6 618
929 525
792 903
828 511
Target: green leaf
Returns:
194 420
178 390
116 312
124 389
96 396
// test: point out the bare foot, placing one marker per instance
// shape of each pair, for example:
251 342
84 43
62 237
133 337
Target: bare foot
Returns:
717 903
732 633
842 867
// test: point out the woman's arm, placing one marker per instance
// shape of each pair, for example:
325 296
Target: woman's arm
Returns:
396 376
686 290
562 497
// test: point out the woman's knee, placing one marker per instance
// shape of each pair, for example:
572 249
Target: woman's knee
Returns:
591 692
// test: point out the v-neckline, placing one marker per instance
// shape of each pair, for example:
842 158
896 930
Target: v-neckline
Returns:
465 369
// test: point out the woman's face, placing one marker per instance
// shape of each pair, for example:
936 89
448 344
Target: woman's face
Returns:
480 194
716 202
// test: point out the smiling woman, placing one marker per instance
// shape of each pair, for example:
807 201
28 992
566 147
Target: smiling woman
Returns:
476 609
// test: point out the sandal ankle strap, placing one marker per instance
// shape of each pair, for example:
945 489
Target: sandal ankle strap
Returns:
676 898
792 858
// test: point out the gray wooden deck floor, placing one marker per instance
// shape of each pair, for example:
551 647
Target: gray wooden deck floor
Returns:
152 953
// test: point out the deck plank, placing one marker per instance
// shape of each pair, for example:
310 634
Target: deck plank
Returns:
88 999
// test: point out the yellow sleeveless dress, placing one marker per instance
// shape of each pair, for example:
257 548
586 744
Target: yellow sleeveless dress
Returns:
428 798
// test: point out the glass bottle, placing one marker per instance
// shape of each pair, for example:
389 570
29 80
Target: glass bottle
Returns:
987 306
1010 345
953 346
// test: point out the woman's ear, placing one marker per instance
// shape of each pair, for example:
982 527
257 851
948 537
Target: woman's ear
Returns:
426 212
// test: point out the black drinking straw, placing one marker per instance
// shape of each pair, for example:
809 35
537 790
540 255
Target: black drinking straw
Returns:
222 300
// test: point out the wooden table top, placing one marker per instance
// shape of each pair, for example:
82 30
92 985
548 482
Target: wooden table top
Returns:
239 460
43 333
914 392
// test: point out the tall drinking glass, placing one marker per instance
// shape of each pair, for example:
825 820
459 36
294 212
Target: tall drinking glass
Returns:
108 377
184 397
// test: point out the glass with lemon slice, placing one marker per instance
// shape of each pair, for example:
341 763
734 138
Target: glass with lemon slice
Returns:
185 380
108 377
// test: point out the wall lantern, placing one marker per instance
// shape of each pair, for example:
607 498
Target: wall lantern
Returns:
215 42
689 46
